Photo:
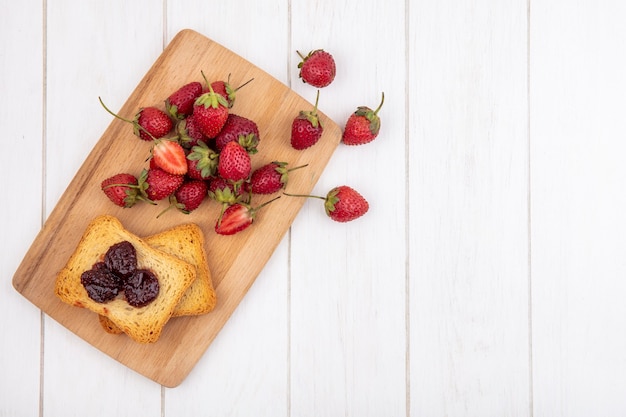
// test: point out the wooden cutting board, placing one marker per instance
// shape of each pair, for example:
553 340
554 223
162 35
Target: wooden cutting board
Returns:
268 102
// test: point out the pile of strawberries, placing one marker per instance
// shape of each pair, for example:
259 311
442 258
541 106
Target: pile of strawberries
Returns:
201 149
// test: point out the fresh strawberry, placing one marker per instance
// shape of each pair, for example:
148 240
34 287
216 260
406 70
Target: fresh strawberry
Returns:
180 103
237 218
239 129
189 133
161 184
170 156
121 189
224 191
210 111
234 162
306 128
363 125
224 89
342 203
190 195
202 162
270 178
317 68
149 123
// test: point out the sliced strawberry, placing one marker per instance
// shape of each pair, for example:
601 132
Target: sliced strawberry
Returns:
237 218
170 156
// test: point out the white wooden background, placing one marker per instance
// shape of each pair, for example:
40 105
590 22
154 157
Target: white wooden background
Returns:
488 278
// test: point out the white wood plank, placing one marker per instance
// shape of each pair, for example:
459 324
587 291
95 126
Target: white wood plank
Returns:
469 346
104 53
21 83
244 372
348 328
578 204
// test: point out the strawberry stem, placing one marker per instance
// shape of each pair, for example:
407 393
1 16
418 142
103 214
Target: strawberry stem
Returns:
244 84
381 103
134 123
304 195
264 204
298 167
113 114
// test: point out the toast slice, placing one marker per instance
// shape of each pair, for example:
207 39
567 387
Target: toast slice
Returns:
187 243
142 324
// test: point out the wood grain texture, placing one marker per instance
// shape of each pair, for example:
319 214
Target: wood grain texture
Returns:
578 206
20 323
348 315
254 341
185 339
469 193
82 65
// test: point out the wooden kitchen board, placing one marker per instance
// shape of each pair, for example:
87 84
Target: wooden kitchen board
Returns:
268 102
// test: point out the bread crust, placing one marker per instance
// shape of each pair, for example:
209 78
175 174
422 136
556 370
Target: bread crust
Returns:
144 324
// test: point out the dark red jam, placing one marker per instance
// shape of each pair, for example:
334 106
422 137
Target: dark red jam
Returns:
117 274
121 258
101 284
141 288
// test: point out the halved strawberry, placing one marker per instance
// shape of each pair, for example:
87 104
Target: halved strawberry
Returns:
237 218
170 156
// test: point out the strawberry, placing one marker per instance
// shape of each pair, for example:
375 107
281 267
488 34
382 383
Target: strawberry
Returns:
240 129
224 89
363 125
180 103
210 111
202 162
224 191
121 189
190 195
342 204
306 128
161 184
170 156
270 178
149 123
237 217
317 68
234 162
189 133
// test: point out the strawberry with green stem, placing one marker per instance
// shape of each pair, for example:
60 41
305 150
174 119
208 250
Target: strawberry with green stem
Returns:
202 162
150 123
306 128
180 103
238 217
317 68
270 178
342 203
225 89
363 125
210 112
188 197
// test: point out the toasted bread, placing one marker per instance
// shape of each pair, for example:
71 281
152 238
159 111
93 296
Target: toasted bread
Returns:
187 243
142 324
